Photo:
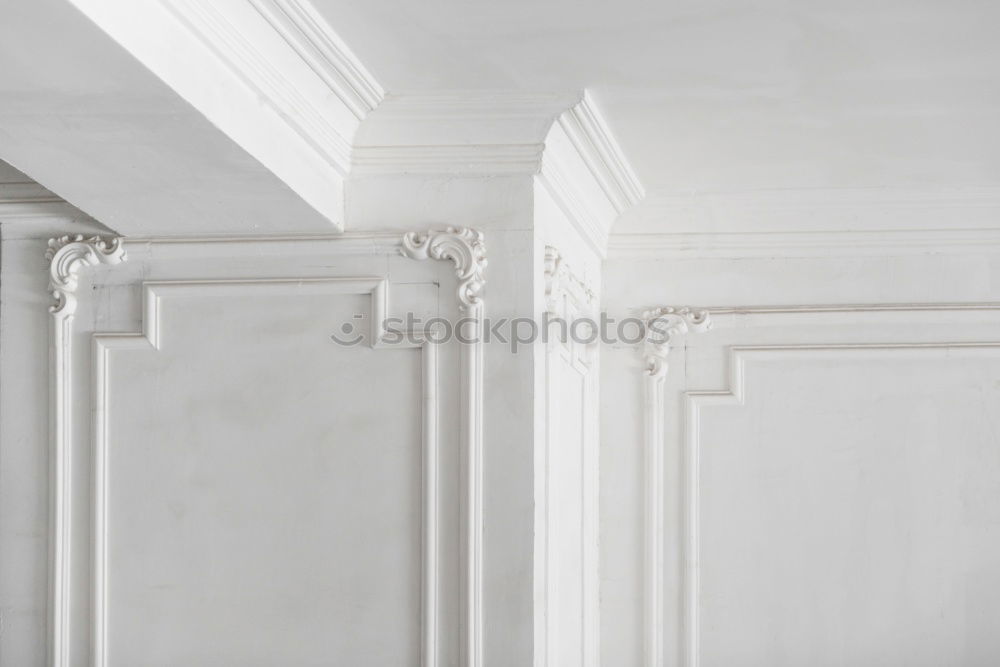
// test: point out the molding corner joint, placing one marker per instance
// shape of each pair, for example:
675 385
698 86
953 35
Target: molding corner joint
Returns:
662 324
465 247
67 255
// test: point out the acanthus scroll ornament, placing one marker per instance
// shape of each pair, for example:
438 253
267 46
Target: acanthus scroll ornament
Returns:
465 248
67 255
662 325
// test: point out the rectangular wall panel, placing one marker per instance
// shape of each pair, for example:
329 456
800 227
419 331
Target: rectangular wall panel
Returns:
253 479
843 508
822 486
247 470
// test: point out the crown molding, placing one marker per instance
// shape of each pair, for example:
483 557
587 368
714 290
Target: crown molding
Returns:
271 75
12 210
458 132
29 200
481 159
587 174
801 216
847 199
558 137
26 193
597 147
477 105
305 90
803 244
327 55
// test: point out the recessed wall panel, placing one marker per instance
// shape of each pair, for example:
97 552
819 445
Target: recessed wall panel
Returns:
263 489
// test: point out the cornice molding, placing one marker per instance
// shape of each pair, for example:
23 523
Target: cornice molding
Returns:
560 138
662 325
458 132
25 201
273 82
600 152
851 200
26 193
587 174
315 42
465 248
562 282
479 105
591 218
229 31
469 160
19 210
67 256
805 244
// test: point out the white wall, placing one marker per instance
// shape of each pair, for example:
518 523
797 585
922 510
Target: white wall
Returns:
566 449
841 510
23 457
232 487
806 485
24 419
159 475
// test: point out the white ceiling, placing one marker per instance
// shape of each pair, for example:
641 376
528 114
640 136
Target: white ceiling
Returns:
724 101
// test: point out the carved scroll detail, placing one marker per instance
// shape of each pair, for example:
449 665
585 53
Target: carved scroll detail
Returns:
67 256
663 324
464 247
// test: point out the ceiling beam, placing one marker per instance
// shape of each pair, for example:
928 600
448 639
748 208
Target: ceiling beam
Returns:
185 116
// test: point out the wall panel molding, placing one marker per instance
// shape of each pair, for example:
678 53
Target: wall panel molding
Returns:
466 249
463 247
70 256
684 323
149 339
67 256
665 324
